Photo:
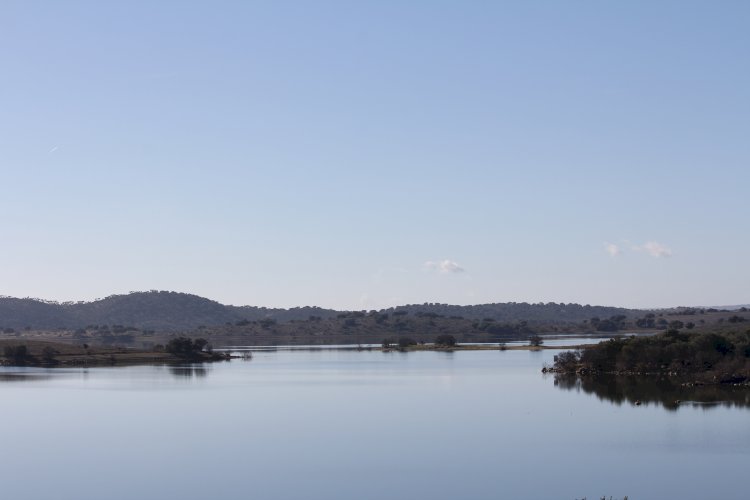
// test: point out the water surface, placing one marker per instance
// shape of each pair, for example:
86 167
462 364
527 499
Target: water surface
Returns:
341 424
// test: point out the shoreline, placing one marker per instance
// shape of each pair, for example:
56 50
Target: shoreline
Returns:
475 347
45 354
50 354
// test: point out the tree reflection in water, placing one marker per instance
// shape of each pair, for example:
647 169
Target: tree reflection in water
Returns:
669 393
23 376
188 371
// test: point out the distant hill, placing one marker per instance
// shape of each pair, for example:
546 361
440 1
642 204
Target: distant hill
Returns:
19 313
731 308
152 310
172 311
155 310
521 311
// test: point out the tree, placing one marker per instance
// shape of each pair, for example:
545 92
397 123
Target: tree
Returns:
646 322
567 361
185 347
607 325
16 354
406 342
445 340
199 344
48 355
536 341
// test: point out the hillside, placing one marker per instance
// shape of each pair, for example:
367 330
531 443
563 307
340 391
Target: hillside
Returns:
521 311
153 310
172 311
34 313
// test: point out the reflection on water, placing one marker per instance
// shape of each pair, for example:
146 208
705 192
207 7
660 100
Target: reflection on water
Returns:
189 371
662 391
35 374
23 376
309 425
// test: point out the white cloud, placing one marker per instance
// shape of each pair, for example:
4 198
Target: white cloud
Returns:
444 266
612 249
364 300
52 150
654 249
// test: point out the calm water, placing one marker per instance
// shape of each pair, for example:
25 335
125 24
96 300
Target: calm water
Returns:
360 425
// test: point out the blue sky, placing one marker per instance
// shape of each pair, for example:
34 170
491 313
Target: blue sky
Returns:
366 154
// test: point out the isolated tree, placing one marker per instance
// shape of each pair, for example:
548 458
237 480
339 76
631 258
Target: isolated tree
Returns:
48 355
536 341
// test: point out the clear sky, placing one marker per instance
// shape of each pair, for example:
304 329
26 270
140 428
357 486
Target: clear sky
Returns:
366 154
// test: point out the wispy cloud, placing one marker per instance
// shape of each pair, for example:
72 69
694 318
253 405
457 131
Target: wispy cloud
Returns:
654 249
444 266
54 148
612 249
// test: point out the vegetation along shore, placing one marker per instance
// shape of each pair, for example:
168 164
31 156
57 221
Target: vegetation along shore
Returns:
696 358
58 354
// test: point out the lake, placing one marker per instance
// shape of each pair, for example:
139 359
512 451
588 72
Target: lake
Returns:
342 424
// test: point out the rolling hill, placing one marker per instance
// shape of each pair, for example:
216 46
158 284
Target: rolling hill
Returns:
173 311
